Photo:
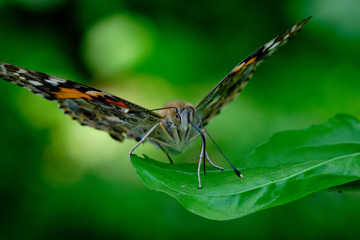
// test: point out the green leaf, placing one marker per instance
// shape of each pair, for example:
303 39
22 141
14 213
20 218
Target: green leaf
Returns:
293 164
337 137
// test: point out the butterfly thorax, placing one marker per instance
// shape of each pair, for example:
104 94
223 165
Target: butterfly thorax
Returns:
176 131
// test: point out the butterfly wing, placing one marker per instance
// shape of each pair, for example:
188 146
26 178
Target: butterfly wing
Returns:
89 106
230 86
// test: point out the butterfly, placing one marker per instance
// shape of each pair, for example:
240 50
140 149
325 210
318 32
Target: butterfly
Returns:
171 129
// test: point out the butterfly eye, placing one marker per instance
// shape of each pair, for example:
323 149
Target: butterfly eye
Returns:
177 118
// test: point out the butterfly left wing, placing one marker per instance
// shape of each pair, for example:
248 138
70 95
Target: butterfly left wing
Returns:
230 86
89 106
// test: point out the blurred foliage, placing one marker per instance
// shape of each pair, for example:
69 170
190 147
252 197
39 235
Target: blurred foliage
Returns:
63 181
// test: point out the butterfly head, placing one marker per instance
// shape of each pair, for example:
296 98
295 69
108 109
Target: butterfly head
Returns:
179 114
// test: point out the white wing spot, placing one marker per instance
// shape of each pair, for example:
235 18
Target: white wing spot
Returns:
35 83
114 119
52 81
269 44
3 70
21 71
294 28
93 93
274 46
58 80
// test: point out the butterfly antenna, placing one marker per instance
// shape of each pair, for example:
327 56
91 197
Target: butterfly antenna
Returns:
156 109
235 170
207 133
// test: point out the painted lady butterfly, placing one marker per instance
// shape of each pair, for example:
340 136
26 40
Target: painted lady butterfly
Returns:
172 129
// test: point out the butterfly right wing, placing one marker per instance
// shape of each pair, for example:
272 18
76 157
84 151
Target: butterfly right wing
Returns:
230 86
89 106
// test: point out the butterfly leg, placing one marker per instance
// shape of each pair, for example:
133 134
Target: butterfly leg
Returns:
143 139
199 166
170 160
167 154
211 163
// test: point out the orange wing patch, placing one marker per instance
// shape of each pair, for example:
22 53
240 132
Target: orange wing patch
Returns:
71 93
244 64
250 61
74 93
238 67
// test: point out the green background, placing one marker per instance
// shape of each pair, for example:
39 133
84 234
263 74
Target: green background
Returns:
59 180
